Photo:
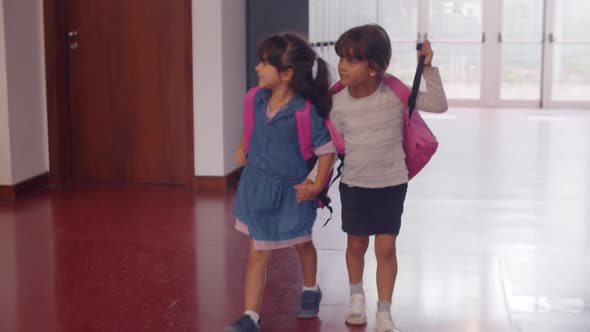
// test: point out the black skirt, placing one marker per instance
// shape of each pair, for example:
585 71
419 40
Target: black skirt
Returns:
367 211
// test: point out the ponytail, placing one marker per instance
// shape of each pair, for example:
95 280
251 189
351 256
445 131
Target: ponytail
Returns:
322 93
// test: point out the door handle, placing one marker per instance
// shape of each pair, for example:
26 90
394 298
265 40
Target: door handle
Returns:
73 42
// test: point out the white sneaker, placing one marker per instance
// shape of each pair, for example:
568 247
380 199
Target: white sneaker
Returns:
357 311
385 323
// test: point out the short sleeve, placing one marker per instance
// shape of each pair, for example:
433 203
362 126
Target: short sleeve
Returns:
319 132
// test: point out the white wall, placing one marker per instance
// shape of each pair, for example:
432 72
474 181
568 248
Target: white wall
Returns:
5 166
234 77
207 87
25 72
219 51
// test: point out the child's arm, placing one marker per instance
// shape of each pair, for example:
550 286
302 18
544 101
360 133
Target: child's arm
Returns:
334 116
434 99
325 164
309 189
325 151
314 171
240 154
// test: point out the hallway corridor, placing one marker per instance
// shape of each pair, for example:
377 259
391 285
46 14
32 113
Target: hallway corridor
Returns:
495 238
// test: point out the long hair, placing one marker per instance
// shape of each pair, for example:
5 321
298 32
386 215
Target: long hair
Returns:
289 51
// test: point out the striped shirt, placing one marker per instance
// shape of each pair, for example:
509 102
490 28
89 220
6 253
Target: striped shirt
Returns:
372 128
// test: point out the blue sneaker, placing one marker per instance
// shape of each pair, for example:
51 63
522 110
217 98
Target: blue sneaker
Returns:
310 304
244 324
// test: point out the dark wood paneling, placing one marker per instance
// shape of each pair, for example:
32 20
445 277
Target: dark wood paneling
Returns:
57 90
120 105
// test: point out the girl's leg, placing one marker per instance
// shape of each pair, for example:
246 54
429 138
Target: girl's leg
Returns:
355 257
311 296
386 274
309 262
255 278
355 262
386 266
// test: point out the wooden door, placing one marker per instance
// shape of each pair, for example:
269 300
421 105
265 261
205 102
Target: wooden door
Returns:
130 91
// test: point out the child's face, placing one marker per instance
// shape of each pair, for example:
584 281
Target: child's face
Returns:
269 77
354 72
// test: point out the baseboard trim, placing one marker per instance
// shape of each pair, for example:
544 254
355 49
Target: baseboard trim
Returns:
218 183
25 187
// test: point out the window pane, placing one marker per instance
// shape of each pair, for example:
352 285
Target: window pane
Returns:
522 20
403 61
455 20
521 71
460 67
571 20
399 18
571 72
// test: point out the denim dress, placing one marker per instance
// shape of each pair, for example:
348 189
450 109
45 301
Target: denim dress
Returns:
265 206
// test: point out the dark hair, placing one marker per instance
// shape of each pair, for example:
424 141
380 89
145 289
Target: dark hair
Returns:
291 51
366 42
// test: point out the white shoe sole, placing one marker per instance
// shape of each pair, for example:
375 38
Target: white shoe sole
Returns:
356 321
395 329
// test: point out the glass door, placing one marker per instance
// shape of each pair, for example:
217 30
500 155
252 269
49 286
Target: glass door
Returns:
521 51
567 54
455 28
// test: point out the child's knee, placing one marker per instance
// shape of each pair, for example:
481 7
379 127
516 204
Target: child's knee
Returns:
357 246
259 256
385 251
304 248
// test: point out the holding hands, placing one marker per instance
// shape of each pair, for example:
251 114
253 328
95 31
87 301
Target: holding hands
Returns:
307 190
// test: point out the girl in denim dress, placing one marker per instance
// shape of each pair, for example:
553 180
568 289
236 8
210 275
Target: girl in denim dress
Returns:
267 208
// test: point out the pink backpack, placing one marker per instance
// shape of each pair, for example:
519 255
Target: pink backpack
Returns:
303 121
419 142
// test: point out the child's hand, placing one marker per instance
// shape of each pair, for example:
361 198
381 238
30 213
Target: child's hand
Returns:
240 156
307 190
427 52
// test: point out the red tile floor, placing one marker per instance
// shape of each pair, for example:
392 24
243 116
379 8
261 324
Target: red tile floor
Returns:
495 238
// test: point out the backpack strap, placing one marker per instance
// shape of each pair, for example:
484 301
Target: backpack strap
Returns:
416 84
398 87
325 200
337 87
303 119
337 138
249 116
